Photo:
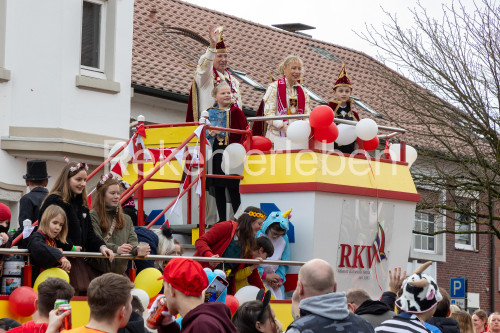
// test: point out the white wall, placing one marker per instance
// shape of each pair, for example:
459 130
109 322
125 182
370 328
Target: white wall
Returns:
43 54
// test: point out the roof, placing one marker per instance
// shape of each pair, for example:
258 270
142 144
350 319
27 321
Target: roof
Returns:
171 35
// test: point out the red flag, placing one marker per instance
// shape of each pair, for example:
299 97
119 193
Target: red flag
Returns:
117 169
141 131
155 155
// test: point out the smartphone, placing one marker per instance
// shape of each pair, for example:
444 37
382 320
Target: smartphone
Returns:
215 289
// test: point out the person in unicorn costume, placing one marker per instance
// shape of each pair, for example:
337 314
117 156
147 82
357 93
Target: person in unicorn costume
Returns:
275 228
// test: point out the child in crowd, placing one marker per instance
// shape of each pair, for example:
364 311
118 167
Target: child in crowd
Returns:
167 246
246 276
342 104
275 227
228 115
46 243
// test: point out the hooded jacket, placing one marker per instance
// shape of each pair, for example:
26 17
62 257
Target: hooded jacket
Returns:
375 312
213 317
328 313
277 217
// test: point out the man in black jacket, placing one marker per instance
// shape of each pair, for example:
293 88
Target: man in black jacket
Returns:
441 317
375 312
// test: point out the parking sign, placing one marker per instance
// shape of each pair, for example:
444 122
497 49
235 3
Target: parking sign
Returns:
458 287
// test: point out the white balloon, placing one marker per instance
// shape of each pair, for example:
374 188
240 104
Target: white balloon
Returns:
298 131
247 294
366 129
234 154
411 153
142 295
237 170
394 151
347 134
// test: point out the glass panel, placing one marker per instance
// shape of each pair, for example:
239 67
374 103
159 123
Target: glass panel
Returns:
91 31
431 244
424 222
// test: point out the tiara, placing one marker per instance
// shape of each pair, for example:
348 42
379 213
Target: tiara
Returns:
255 214
105 177
78 166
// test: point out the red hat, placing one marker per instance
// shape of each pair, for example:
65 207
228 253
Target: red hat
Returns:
4 212
343 79
186 275
220 47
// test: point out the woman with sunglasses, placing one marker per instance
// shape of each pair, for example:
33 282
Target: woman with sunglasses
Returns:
256 316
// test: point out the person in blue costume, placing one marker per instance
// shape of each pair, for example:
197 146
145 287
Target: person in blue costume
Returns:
228 115
274 276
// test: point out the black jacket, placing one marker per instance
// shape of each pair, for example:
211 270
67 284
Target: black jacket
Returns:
44 255
135 324
29 205
445 325
80 230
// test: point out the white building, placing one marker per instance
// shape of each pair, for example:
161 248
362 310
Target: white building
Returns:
65 69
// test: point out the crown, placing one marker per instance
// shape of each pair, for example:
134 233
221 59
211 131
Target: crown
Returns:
343 79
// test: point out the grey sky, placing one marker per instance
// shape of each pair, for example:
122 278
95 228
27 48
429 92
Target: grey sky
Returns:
335 21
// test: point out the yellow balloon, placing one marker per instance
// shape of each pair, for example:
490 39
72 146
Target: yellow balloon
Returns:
147 280
48 273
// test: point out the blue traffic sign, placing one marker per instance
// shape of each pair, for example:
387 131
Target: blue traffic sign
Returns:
458 287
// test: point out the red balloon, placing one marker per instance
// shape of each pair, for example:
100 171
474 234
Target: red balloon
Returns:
261 143
22 301
326 134
321 116
232 303
370 144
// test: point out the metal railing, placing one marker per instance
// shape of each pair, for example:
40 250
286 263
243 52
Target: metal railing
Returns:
157 257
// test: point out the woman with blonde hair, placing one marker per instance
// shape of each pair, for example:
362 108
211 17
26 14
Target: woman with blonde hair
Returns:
494 322
480 318
464 320
285 97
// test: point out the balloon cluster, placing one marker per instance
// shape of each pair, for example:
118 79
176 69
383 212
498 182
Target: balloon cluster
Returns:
321 119
325 130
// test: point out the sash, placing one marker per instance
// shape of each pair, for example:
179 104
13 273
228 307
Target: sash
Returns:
281 96
218 79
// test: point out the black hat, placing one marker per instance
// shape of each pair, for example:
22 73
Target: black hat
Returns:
36 170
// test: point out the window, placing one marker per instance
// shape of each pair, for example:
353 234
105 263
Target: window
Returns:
324 53
313 95
465 241
93 37
247 79
366 106
424 222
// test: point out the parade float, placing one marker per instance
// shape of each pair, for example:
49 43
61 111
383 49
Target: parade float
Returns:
356 211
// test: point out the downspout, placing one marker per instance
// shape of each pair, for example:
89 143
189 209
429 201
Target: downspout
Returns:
492 289
492 277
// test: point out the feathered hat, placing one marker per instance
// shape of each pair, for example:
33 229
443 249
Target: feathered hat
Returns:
343 79
220 47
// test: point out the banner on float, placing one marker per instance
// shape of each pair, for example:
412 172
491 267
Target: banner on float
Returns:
363 251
